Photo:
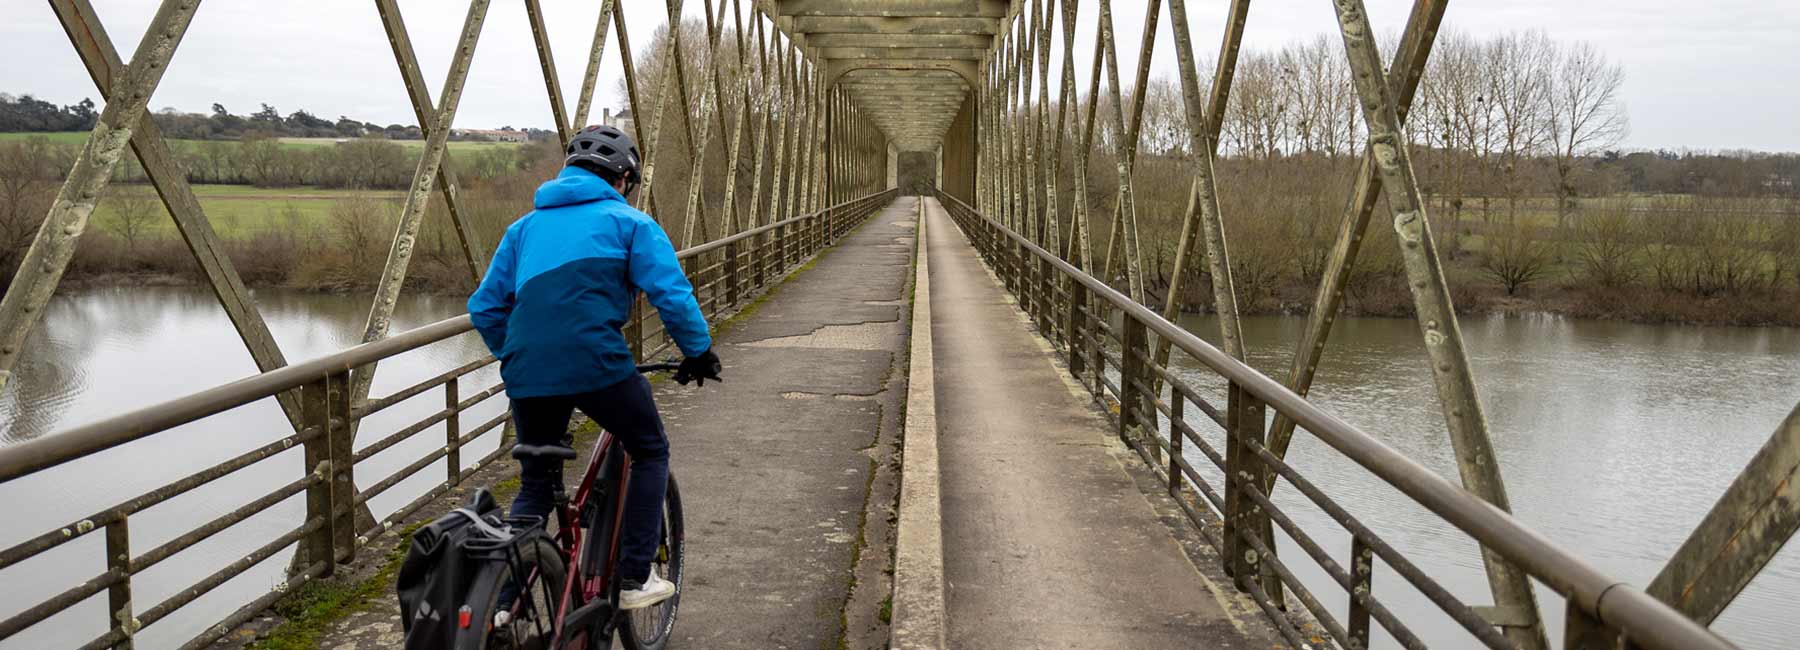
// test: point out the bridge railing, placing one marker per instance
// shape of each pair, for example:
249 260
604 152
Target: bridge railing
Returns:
1078 312
727 273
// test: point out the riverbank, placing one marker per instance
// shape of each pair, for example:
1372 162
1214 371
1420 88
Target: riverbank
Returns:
1640 305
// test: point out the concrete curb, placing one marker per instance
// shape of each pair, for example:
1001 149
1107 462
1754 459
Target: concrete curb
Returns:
919 617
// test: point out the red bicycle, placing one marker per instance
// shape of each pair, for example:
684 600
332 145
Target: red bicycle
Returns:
569 596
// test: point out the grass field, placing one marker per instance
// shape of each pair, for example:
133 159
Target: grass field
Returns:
77 137
241 211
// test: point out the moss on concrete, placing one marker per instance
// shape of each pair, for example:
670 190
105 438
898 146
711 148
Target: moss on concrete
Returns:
316 606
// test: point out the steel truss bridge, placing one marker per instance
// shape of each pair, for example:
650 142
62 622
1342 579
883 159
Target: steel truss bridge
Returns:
822 108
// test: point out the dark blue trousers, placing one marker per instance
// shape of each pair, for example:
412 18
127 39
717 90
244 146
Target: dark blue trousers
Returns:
627 410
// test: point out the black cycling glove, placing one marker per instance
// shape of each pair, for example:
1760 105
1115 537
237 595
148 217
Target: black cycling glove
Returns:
699 369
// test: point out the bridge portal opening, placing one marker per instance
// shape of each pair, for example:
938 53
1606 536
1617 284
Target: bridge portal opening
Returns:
918 173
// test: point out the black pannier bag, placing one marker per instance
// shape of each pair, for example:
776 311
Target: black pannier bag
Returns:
454 562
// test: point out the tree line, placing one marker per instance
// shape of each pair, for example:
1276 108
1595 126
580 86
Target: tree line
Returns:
371 163
29 114
1500 117
340 251
1515 139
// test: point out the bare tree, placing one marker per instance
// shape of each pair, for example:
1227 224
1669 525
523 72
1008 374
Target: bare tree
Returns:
362 225
1514 258
133 214
1785 246
1730 249
1256 123
27 187
1518 69
372 162
1455 115
1609 244
260 157
1164 131
1585 114
1673 258
1325 111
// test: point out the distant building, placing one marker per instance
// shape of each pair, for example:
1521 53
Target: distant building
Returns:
622 121
494 135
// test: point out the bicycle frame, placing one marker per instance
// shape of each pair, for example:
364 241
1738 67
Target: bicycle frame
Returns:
571 538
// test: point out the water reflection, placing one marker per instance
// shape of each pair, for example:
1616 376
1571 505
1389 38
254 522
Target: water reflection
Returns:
102 353
1614 439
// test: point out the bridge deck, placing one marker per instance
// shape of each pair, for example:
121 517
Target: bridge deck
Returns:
1053 536
1051 539
775 464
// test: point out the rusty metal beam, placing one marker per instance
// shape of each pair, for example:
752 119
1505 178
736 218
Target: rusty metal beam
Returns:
907 53
1409 61
784 63
1065 103
968 70
42 268
1124 233
759 214
474 253
1461 403
631 89
595 53
1203 213
741 119
893 41
1750 523
895 8
694 217
818 25
406 234
547 60
101 58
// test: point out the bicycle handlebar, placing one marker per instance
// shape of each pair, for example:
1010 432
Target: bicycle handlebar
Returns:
664 366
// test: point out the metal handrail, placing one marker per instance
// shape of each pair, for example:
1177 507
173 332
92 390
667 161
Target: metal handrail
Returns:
1647 621
49 451
329 485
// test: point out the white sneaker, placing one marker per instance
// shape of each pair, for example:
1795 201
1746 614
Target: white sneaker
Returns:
653 591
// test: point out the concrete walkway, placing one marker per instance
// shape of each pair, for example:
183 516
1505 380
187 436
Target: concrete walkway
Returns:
1049 538
777 465
787 469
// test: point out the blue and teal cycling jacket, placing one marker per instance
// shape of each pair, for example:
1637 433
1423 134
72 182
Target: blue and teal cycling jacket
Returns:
560 288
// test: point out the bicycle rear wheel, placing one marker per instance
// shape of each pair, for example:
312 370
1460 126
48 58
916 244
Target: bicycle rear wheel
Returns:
651 627
531 613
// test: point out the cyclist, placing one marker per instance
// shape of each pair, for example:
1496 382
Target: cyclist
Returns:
551 308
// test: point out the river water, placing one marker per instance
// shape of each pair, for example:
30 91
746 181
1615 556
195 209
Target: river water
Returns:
102 353
1614 440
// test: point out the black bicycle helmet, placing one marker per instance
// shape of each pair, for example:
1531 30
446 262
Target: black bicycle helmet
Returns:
606 148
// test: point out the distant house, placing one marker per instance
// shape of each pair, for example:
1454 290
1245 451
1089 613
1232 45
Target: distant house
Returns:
622 121
491 135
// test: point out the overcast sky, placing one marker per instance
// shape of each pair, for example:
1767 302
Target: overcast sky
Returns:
1703 75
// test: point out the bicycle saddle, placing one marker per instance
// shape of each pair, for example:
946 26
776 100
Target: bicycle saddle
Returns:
558 452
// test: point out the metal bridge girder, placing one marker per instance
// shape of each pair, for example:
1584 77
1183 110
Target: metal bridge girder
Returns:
54 246
832 163
897 8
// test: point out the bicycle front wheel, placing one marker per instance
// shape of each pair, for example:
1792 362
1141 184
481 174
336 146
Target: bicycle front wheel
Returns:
650 628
